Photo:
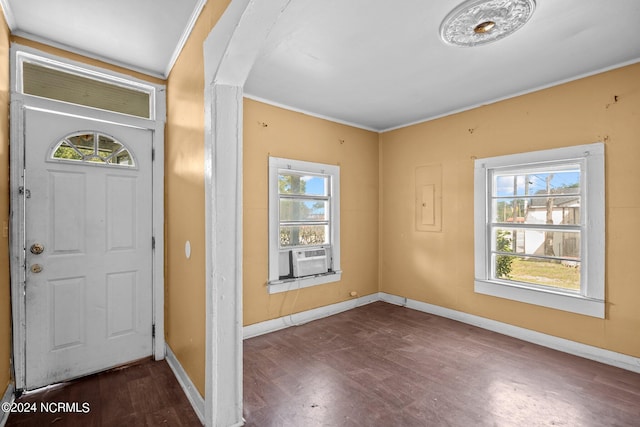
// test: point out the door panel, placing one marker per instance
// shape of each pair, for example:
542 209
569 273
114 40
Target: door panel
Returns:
121 213
89 292
67 329
121 303
67 225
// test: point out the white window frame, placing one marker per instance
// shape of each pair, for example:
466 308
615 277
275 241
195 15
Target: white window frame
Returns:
275 284
590 301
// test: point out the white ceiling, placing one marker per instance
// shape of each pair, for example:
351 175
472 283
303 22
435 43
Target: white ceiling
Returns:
376 64
144 35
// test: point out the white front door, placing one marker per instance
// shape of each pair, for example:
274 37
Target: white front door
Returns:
88 238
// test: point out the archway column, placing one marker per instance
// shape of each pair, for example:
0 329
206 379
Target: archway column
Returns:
223 372
229 53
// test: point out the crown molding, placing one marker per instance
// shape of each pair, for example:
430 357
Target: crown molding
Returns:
9 17
186 33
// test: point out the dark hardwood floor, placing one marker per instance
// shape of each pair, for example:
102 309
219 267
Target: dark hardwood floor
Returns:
384 365
377 365
142 394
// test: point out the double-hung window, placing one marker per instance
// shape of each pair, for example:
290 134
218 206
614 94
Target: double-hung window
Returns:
539 228
304 224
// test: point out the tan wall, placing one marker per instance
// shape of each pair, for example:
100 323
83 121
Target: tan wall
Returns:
297 136
185 202
5 296
438 267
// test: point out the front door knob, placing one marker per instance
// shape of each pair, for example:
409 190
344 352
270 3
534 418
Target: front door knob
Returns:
36 268
37 248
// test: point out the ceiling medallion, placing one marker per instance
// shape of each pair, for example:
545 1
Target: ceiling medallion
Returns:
477 22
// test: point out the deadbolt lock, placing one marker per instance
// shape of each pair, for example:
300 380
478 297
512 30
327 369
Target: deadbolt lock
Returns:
36 268
37 249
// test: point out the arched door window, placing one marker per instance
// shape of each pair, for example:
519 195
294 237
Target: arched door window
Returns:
92 147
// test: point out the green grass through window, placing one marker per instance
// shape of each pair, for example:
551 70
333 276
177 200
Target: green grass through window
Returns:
545 273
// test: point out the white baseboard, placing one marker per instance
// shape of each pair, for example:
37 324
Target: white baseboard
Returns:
8 397
185 382
608 357
296 319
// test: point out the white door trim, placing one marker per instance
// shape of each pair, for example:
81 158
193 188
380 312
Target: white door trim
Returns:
229 53
17 214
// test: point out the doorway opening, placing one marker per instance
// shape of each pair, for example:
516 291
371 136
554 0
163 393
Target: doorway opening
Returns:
87 219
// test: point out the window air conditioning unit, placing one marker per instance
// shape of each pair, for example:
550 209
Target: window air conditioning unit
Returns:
307 262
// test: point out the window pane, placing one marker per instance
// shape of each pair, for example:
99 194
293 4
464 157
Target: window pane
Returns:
555 182
509 185
539 182
539 271
122 158
310 185
564 244
553 210
303 235
84 142
538 210
86 148
303 210
64 86
107 146
510 210
66 151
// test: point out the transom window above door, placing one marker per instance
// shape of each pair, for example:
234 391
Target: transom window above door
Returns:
92 147
46 78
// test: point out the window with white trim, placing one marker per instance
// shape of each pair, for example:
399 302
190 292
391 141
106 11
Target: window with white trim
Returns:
539 228
304 224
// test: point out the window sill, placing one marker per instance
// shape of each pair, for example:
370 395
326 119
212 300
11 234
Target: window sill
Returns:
573 303
285 285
